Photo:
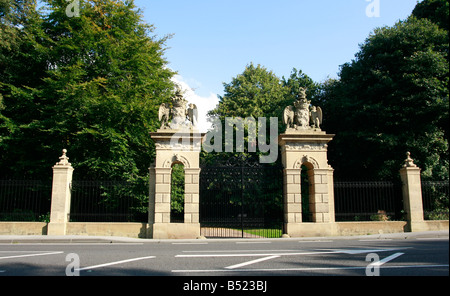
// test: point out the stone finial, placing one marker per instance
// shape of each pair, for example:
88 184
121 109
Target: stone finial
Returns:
409 162
63 160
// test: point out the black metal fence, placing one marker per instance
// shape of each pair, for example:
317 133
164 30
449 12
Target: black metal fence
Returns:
109 201
241 198
435 200
368 200
25 200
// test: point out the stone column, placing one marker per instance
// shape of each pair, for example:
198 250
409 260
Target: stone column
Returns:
319 195
292 196
162 195
191 195
151 195
412 195
307 147
175 146
60 205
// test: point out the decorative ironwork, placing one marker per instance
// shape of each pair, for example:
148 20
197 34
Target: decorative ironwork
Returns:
109 201
368 200
234 160
239 197
435 195
24 200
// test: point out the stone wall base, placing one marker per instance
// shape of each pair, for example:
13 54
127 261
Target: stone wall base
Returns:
432 225
359 228
23 228
132 230
192 231
175 231
55 228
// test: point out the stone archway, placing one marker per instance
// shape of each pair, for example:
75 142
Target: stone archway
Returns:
307 148
167 154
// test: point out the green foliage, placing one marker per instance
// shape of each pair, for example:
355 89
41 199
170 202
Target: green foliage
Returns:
256 92
436 11
391 99
177 189
91 84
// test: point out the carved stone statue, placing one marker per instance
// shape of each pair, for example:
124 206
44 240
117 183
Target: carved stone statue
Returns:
164 115
316 116
302 115
178 117
289 116
193 114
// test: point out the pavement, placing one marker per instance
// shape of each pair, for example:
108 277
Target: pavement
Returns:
73 239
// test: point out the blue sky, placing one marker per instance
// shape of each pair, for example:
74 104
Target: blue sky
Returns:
214 40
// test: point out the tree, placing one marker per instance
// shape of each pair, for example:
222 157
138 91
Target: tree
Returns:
102 78
436 11
257 92
391 99
299 79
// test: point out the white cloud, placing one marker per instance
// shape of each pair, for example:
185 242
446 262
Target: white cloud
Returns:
204 104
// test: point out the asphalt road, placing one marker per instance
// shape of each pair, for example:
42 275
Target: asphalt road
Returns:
228 258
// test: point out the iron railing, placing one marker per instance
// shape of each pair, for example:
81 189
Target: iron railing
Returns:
368 201
435 200
25 200
109 201
241 201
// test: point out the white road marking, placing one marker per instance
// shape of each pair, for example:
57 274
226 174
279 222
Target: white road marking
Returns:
375 240
248 243
251 262
189 243
319 241
250 255
356 251
71 244
31 255
234 251
27 251
303 269
115 263
387 259
363 251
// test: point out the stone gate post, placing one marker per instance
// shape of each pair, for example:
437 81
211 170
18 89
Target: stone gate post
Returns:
60 204
304 144
307 148
412 195
175 146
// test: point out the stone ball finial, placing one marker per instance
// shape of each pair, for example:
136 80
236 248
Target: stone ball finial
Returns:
409 162
64 160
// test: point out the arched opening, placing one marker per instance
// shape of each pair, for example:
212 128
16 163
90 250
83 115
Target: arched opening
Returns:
307 191
177 194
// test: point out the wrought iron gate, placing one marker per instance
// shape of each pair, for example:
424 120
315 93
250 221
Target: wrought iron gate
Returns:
240 197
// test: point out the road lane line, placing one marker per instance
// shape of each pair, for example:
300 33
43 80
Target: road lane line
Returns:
189 243
114 263
304 269
250 255
375 240
251 262
248 243
319 241
30 255
387 259
352 251
234 251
